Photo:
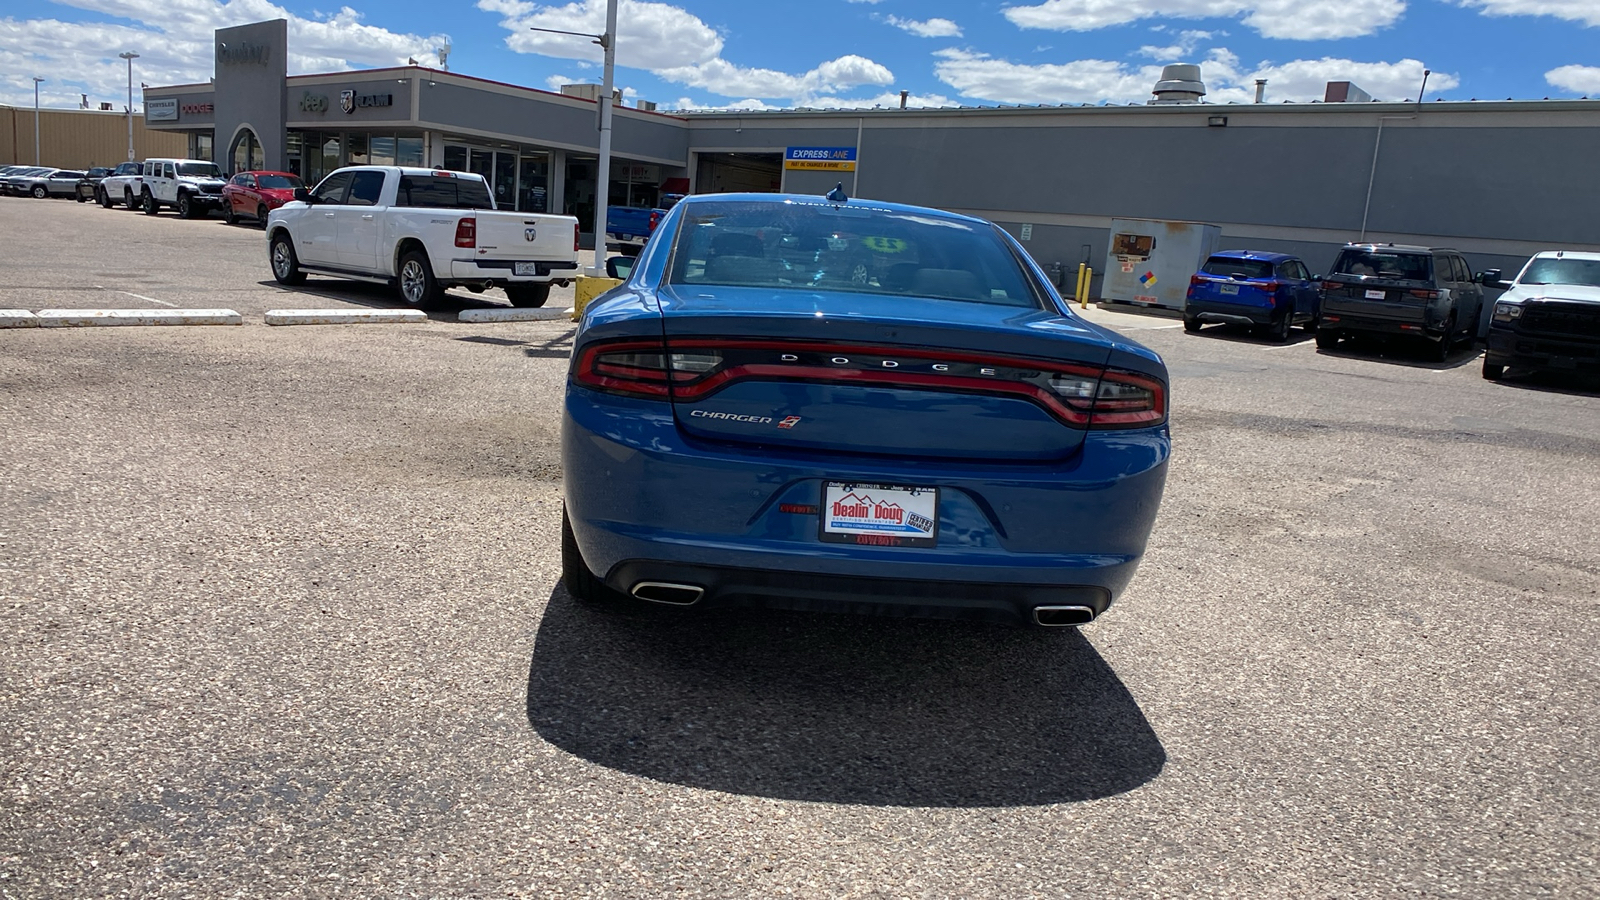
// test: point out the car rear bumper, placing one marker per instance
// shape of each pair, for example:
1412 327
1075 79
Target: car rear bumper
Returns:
1533 351
648 504
1231 313
506 269
1334 320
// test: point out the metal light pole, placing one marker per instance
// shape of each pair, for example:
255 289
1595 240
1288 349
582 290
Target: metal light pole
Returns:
602 180
36 80
130 56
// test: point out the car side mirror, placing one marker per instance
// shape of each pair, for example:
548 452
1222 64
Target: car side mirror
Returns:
304 196
1490 278
620 267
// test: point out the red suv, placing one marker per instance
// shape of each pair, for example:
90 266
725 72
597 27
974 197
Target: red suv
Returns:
254 194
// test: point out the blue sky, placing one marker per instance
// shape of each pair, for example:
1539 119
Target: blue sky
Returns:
718 53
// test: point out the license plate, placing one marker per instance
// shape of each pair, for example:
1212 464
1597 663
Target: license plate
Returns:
879 515
526 268
1229 288
1376 295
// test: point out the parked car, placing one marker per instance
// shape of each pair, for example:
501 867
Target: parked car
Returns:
422 230
1427 292
253 195
191 186
19 183
1549 318
1269 292
634 225
124 185
88 187
7 172
48 183
746 421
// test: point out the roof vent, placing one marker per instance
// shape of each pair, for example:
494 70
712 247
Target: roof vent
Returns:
1179 83
1344 92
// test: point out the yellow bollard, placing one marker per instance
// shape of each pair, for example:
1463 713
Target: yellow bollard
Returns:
586 288
1088 282
1077 290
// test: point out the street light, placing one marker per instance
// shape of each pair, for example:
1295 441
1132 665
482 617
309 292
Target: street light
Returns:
602 178
130 56
36 80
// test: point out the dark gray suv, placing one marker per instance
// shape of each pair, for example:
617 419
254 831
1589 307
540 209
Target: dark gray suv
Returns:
1426 292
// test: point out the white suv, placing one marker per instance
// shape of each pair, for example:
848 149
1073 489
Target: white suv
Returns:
192 186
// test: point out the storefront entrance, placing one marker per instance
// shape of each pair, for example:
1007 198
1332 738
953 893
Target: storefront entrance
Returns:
718 173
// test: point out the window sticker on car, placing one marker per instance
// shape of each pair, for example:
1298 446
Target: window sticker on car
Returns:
880 514
885 244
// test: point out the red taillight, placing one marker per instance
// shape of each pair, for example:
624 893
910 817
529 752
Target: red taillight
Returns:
655 219
467 232
1082 396
1331 285
575 247
1196 281
1424 294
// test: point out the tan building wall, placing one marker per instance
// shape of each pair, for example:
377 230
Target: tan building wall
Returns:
80 138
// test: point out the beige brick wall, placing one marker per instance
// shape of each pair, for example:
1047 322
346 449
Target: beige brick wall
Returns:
78 139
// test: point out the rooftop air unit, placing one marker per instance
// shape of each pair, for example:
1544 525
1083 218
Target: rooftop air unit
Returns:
1180 83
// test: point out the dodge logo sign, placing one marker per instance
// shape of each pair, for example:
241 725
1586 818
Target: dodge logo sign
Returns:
530 234
347 101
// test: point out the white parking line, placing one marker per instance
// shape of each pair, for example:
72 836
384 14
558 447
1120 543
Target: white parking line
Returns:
1292 346
148 299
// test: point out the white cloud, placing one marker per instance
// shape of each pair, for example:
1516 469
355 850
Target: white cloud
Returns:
1585 11
1285 19
927 28
1577 79
983 77
675 45
173 40
1186 44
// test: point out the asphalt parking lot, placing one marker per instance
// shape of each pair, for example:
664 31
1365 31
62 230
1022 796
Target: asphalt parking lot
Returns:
280 614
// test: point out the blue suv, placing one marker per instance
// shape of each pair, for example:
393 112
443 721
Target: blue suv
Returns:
1269 292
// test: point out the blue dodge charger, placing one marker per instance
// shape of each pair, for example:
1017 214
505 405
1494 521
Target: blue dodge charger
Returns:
839 404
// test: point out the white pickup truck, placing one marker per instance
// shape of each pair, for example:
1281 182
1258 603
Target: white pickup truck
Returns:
421 230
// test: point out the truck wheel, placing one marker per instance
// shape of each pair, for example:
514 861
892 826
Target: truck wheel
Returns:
417 285
285 265
151 207
529 295
185 207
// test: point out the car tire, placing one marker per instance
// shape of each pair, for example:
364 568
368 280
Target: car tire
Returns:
78 196
261 216
528 295
415 280
1492 371
128 199
1191 325
1327 340
1441 351
284 263
229 216
40 192
582 584
185 206
151 207
104 198
1278 332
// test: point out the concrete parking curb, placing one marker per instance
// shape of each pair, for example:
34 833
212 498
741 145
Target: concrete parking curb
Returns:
343 316
18 318
79 318
512 315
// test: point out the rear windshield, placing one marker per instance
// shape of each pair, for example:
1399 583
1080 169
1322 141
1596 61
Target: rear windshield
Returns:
1403 266
1549 270
443 192
1244 268
199 170
278 181
819 246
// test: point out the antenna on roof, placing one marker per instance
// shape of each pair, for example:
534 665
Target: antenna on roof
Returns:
444 55
837 195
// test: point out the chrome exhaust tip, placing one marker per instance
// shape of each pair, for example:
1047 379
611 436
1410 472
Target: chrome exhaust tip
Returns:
1062 616
668 592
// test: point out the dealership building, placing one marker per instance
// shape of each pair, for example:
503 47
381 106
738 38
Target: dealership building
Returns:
1497 180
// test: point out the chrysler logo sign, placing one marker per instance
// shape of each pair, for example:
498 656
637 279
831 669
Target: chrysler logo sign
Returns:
243 52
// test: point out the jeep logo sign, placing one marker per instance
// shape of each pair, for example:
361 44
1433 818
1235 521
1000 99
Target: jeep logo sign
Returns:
242 52
350 101
313 103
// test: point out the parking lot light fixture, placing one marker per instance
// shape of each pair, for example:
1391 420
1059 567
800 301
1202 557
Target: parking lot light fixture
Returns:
130 56
36 80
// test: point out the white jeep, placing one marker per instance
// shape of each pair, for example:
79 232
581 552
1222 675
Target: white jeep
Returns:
191 186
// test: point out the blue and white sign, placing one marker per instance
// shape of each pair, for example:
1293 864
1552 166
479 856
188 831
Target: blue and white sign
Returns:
832 159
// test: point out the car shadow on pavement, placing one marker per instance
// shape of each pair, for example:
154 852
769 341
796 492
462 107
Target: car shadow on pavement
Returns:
1413 354
838 709
1239 334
